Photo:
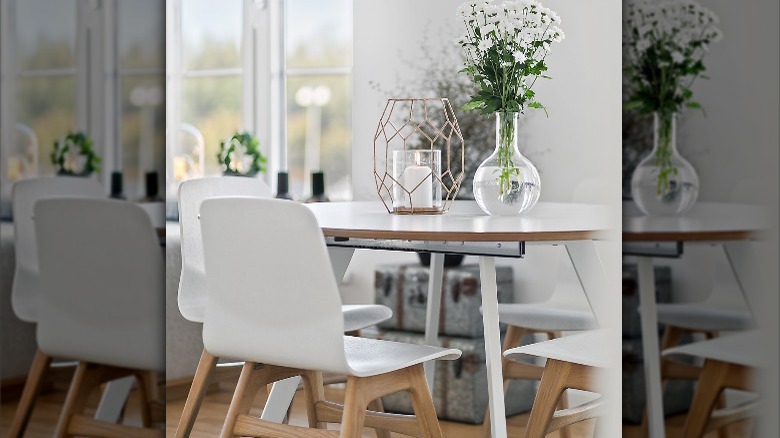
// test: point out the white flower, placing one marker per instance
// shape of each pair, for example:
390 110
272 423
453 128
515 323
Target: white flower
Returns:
519 56
487 29
485 44
678 57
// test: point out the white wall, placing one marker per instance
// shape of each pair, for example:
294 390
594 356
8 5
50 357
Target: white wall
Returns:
735 145
580 140
738 141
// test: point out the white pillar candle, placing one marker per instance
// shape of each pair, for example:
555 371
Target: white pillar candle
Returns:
422 196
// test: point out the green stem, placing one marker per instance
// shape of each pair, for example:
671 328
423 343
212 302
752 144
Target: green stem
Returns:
663 152
506 135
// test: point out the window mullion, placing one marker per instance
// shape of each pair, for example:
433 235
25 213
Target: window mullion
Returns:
278 83
173 41
7 80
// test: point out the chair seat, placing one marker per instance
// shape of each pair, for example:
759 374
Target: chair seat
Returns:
360 316
743 348
356 316
585 348
541 317
701 317
371 357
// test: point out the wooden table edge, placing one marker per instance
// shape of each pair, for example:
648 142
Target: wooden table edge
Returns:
687 236
466 236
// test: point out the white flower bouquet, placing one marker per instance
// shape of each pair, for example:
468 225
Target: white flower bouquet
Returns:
505 46
506 43
664 46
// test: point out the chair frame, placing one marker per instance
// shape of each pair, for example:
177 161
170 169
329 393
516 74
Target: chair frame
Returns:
352 415
557 377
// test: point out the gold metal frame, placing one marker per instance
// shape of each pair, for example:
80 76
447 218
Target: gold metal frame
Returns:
417 126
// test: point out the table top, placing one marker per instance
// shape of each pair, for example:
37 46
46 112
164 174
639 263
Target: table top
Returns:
705 221
464 222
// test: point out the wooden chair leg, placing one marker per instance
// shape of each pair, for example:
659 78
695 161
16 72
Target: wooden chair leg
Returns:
200 383
253 375
355 404
422 401
32 386
711 383
315 392
145 401
552 385
376 406
86 378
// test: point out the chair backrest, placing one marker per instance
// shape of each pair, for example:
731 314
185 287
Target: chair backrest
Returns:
102 283
25 295
192 286
272 296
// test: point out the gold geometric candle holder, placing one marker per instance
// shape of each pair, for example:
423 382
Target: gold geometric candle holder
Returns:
418 156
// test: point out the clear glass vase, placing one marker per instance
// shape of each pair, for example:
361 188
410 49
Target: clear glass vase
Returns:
664 183
506 183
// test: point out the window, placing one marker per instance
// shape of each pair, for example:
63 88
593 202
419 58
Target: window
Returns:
45 63
141 84
280 69
98 67
318 47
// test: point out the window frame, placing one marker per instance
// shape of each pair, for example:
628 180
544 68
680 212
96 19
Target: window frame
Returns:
97 102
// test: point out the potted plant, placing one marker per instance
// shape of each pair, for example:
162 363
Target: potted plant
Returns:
75 156
241 156
506 44
665 45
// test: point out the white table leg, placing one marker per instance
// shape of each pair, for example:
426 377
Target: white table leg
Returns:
590 273
487 276
601 296
282 393
114 399
744 264
433 307
651 348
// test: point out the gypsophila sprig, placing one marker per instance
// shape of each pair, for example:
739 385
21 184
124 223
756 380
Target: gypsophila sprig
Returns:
663 50
506 43
664 45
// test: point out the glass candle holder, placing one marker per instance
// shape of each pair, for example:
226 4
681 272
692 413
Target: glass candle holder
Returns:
417 188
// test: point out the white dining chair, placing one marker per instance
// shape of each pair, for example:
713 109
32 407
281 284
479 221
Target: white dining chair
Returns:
273 301
729 362
192 285
25 294
577 361
102 284
566 309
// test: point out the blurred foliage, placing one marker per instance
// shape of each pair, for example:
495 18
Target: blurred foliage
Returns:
437 76
212 54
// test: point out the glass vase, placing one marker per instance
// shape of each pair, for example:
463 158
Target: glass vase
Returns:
664 183
506 183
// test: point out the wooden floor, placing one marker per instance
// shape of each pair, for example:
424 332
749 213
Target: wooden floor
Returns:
213 412
215 407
